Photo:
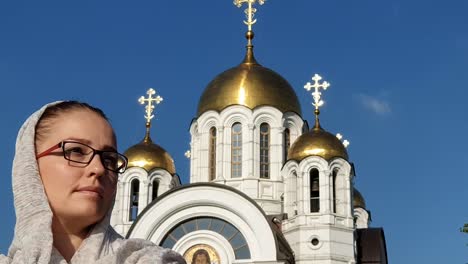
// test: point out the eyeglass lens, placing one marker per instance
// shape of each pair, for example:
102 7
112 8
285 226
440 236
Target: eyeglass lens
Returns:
81 153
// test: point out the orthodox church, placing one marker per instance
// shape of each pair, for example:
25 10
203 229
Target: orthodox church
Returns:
264 187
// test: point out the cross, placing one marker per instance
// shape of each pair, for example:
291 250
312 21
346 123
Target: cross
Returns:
149 103
250 11
316 94
345 142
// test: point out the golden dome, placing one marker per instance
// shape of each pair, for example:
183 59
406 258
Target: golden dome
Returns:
358 199
317 142
148 156
251 85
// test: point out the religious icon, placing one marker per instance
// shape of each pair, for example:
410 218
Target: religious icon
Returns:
202 254
201 257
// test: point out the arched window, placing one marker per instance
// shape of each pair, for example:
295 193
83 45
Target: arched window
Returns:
233 236
236 150
314 191
287 143
155 187
212 154
264 151
134 196
334 174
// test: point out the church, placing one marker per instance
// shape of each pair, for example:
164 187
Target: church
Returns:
264 186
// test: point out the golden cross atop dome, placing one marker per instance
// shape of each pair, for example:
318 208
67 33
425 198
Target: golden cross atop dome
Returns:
149 104
250 11
316 94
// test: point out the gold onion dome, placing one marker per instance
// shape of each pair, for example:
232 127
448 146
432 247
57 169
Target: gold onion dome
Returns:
358 199
251 85
149 156
317 142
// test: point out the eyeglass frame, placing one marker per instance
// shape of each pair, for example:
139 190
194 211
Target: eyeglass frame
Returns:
61 144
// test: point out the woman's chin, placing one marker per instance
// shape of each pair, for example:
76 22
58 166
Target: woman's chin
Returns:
89 210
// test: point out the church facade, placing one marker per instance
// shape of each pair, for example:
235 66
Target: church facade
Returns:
264 187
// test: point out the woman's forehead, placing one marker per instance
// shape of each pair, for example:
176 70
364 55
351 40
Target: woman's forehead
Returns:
83 124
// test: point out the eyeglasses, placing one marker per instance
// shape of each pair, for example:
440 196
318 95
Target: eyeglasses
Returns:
83 154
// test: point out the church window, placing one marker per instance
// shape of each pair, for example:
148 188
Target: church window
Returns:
134 197
229 232
264 151
155 188
236 150
287 143
212 154
315 241
314 191
334 174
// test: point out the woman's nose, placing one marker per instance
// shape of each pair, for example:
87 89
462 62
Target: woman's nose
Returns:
96 167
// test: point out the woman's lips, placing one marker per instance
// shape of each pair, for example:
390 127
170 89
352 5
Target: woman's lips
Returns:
94 191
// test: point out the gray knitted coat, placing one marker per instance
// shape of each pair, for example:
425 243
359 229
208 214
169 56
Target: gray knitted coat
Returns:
33 240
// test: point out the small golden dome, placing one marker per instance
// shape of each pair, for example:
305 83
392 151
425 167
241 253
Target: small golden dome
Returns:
358 199
148 156
251 85
317 142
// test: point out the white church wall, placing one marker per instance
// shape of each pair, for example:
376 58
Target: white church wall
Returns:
120 218
333 231
267 192
362 217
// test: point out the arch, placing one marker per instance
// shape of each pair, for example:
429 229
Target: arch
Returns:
208 122
235 113
196 200
289 166
132 173
294 123
193 127
236 150
206 237
267 114
229 232
163 178
265 139
340 187
313 161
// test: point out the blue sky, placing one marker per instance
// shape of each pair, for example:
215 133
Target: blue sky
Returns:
398 69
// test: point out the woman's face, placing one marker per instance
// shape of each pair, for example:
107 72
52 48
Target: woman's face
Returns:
78 194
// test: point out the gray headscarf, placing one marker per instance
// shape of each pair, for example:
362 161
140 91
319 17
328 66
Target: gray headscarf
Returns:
33 239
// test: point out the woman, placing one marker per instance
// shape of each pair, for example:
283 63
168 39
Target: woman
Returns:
65 173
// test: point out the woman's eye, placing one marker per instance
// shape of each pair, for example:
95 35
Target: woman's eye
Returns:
110 162
76 151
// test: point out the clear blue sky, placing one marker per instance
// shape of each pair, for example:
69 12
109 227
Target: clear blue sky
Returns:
398 69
